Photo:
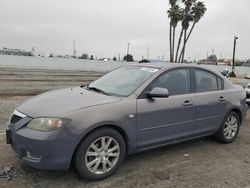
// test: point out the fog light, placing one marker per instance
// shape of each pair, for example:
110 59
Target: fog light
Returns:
33 156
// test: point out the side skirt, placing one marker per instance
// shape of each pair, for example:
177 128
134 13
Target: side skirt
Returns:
174 142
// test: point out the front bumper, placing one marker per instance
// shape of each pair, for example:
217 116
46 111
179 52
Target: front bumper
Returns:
42 150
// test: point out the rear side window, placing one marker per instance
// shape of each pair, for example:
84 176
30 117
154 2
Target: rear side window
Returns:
176 81
206 81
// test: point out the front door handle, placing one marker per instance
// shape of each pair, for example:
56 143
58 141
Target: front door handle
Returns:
187 103
222 99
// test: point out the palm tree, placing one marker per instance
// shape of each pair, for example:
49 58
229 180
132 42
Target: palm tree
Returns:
185 26
197 12
185 23
172 4
175 14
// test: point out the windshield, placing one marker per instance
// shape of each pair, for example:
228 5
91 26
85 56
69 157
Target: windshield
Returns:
123 81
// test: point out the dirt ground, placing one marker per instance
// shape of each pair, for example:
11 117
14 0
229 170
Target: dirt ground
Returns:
198 163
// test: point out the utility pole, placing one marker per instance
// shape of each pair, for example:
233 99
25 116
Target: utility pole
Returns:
128 49
147 53
74 49
235 40
213 50
33 50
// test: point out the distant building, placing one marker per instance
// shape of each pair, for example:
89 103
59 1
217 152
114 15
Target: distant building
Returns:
8 51
224 61
206 62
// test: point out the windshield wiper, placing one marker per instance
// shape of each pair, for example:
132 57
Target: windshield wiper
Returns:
97 90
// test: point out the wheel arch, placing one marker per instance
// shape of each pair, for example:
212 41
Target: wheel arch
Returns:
238 112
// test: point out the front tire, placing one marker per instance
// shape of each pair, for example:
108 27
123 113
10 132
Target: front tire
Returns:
100 154
229 128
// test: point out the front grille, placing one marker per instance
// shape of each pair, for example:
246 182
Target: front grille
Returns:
15 118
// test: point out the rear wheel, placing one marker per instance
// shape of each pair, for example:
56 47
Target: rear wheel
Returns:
229 128
100 154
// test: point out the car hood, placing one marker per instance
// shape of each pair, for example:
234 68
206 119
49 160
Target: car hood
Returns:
58 103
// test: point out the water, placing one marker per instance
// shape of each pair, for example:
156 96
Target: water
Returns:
83 65
239 70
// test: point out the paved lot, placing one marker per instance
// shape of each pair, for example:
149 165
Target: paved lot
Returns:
199 163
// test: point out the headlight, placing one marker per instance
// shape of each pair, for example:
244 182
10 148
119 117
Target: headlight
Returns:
47 124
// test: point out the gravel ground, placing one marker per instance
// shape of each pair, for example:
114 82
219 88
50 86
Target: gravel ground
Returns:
198 163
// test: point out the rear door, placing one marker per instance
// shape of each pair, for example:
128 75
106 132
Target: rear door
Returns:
210 101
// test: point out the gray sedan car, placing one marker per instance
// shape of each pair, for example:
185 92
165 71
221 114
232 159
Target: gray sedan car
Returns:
129 110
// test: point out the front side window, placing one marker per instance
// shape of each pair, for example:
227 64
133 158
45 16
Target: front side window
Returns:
176 81
206 81
123 81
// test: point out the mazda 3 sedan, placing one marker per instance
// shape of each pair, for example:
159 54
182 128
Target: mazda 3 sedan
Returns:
129 110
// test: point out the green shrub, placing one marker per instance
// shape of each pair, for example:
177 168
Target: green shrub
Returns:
232 75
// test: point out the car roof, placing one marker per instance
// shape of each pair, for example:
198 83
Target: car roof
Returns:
166 65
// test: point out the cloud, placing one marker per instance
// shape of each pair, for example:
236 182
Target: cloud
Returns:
103 28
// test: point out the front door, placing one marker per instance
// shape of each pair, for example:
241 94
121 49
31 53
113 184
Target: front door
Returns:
162 120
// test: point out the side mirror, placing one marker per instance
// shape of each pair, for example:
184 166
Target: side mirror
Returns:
158 92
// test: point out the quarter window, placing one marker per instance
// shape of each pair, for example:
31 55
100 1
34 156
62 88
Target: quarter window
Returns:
176 81
206 81
220 83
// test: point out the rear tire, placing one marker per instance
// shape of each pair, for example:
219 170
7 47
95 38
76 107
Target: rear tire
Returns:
100 154
229 128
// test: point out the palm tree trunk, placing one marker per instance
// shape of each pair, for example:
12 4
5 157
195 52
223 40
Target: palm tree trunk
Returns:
178 46
191 30
173 44
170 41
184 46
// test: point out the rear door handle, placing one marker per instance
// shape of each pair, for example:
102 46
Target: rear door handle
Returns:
222 99
187 103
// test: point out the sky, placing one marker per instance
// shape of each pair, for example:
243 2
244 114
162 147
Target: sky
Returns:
103 28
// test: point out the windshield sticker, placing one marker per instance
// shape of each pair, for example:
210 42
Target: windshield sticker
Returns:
148 69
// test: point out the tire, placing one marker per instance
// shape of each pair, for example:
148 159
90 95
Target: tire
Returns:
229 128
102 161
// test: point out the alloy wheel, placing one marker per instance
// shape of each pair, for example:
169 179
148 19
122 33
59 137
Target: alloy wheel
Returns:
102 155
231 127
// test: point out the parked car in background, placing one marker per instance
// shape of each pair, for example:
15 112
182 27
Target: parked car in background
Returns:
247 76
248 93
225 72
129 110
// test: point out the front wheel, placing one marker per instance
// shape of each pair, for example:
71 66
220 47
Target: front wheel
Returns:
100 154
229 128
